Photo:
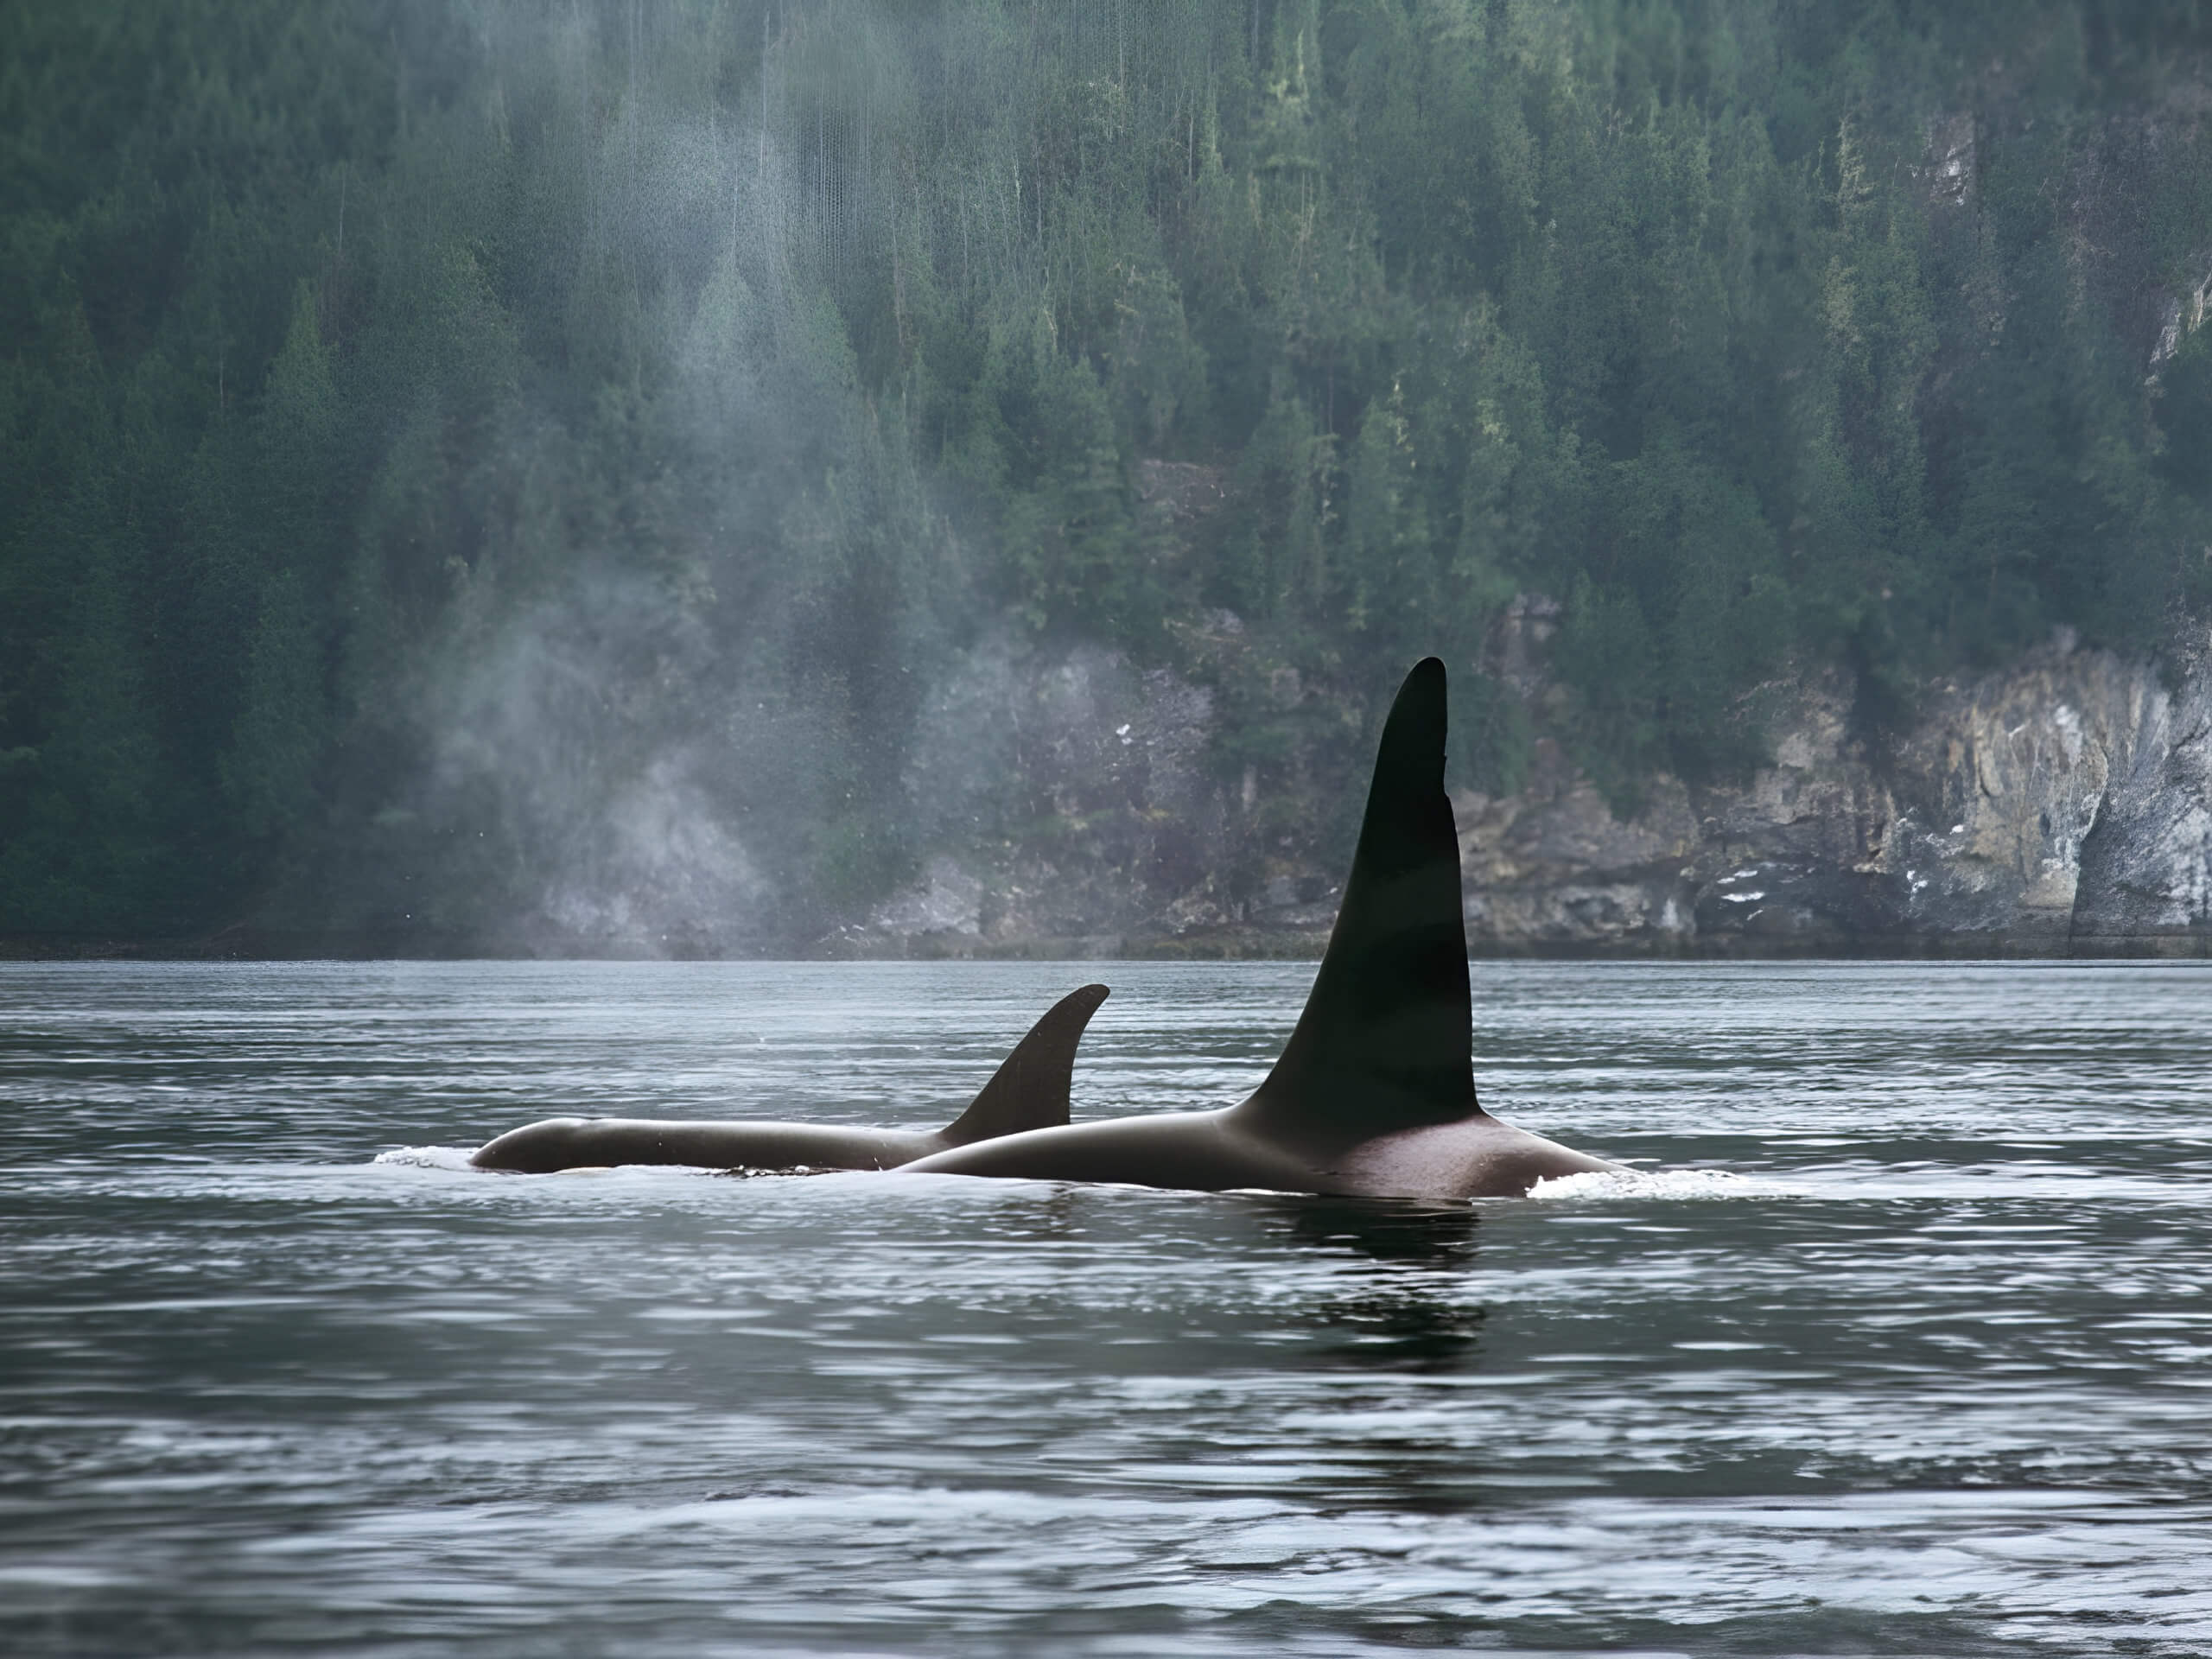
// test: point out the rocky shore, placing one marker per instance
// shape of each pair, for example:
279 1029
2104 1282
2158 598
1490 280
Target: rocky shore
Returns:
1078 805
2060 807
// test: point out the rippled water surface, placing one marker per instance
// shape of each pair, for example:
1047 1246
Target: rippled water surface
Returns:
1930 1373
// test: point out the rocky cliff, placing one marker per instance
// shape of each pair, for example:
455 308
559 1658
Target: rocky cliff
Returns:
2062 806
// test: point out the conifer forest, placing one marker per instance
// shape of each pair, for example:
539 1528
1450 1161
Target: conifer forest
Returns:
447 443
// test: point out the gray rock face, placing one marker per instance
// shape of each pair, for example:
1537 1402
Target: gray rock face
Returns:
2146 863
2061 806
1071 803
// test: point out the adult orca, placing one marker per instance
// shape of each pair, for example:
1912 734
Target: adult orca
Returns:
1374 1096
1028 1092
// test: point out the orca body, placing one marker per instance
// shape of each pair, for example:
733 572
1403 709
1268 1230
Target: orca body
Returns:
1028 1092
1374 1096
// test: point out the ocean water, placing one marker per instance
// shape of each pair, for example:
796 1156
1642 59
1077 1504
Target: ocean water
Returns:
1902 1343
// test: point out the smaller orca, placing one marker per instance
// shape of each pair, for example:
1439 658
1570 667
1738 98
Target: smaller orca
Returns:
1028 1092
1374 1096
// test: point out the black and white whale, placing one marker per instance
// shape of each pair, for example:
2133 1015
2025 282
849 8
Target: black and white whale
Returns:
1374 1096
1028 1092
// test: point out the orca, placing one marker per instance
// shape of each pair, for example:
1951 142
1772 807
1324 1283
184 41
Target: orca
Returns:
1374 1096
1028 1092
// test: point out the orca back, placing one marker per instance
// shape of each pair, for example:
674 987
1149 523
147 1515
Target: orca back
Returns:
1386 1038
1030 1089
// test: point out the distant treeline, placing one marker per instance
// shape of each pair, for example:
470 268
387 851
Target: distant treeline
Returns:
420 420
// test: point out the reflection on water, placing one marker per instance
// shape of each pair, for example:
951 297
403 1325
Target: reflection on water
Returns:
1927 1374
1404 1328
1415 1319
1385 1230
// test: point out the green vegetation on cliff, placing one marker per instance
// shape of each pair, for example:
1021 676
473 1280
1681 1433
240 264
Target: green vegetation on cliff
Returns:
424 425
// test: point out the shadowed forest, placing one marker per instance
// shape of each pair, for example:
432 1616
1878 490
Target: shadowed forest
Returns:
448 447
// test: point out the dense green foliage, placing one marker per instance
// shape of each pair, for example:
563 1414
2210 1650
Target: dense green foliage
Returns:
422 423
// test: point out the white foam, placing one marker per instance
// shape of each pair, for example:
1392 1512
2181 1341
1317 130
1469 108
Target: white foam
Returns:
428 1157
1675 1184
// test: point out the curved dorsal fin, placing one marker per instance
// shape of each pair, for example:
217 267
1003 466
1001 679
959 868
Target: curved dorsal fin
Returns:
1030 1089
1386 1038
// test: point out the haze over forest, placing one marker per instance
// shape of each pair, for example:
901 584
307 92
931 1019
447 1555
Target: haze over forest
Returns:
466 460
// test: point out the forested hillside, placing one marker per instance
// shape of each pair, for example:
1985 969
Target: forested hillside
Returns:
453 452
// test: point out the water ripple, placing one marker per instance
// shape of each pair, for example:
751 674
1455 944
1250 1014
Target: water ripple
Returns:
283 1374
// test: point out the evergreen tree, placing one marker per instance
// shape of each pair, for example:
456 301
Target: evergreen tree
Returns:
441 442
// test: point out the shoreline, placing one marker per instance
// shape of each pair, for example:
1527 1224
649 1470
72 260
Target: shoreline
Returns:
1241 945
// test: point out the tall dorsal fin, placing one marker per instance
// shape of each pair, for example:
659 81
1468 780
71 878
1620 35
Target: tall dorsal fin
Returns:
1385 1040
1030 1089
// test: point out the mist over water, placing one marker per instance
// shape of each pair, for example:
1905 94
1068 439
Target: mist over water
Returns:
1901 1347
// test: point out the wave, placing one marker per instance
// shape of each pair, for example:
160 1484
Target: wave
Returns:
428 1158
1699 1184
